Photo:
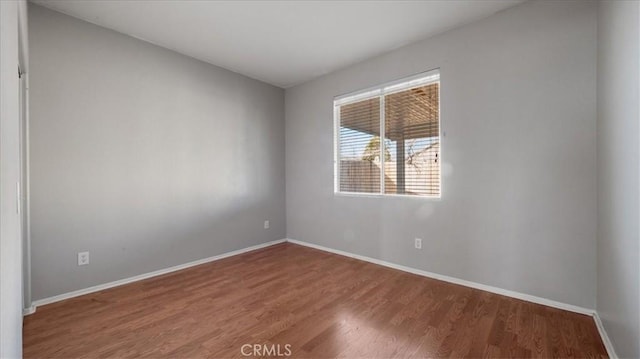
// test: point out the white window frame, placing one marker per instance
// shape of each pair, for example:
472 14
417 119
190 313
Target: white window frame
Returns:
421 79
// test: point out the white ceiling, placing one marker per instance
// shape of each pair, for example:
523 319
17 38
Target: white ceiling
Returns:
283 43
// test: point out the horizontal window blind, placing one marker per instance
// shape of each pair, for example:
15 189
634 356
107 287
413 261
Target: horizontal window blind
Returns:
389 139
360 146
412 127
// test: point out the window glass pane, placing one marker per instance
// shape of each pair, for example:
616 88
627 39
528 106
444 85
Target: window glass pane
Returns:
403 145
412 139
359 149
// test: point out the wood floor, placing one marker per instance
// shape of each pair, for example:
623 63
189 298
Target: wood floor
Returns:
322 305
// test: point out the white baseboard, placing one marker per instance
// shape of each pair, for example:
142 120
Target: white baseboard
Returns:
120 282
605 338
29 311
466 283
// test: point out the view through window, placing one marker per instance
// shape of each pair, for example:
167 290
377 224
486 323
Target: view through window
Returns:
388 139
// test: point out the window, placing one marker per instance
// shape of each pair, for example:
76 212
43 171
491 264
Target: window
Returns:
388 139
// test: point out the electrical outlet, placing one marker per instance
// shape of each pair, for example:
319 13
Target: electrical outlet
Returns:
418 243
83 258
266 224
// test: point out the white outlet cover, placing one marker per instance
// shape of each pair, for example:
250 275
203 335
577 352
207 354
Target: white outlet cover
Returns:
266 224
418 243
83 258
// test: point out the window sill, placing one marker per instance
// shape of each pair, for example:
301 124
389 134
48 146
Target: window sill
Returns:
390 196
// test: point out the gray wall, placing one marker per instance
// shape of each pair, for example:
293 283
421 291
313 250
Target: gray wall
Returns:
144 157
618 299
518 208
12 18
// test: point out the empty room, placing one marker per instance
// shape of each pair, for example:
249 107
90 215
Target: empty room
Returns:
320 179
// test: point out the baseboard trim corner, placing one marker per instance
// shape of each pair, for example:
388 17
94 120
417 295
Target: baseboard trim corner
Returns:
117 283
445 278
28 311
605 337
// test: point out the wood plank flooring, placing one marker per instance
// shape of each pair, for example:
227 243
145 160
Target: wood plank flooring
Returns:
322 305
